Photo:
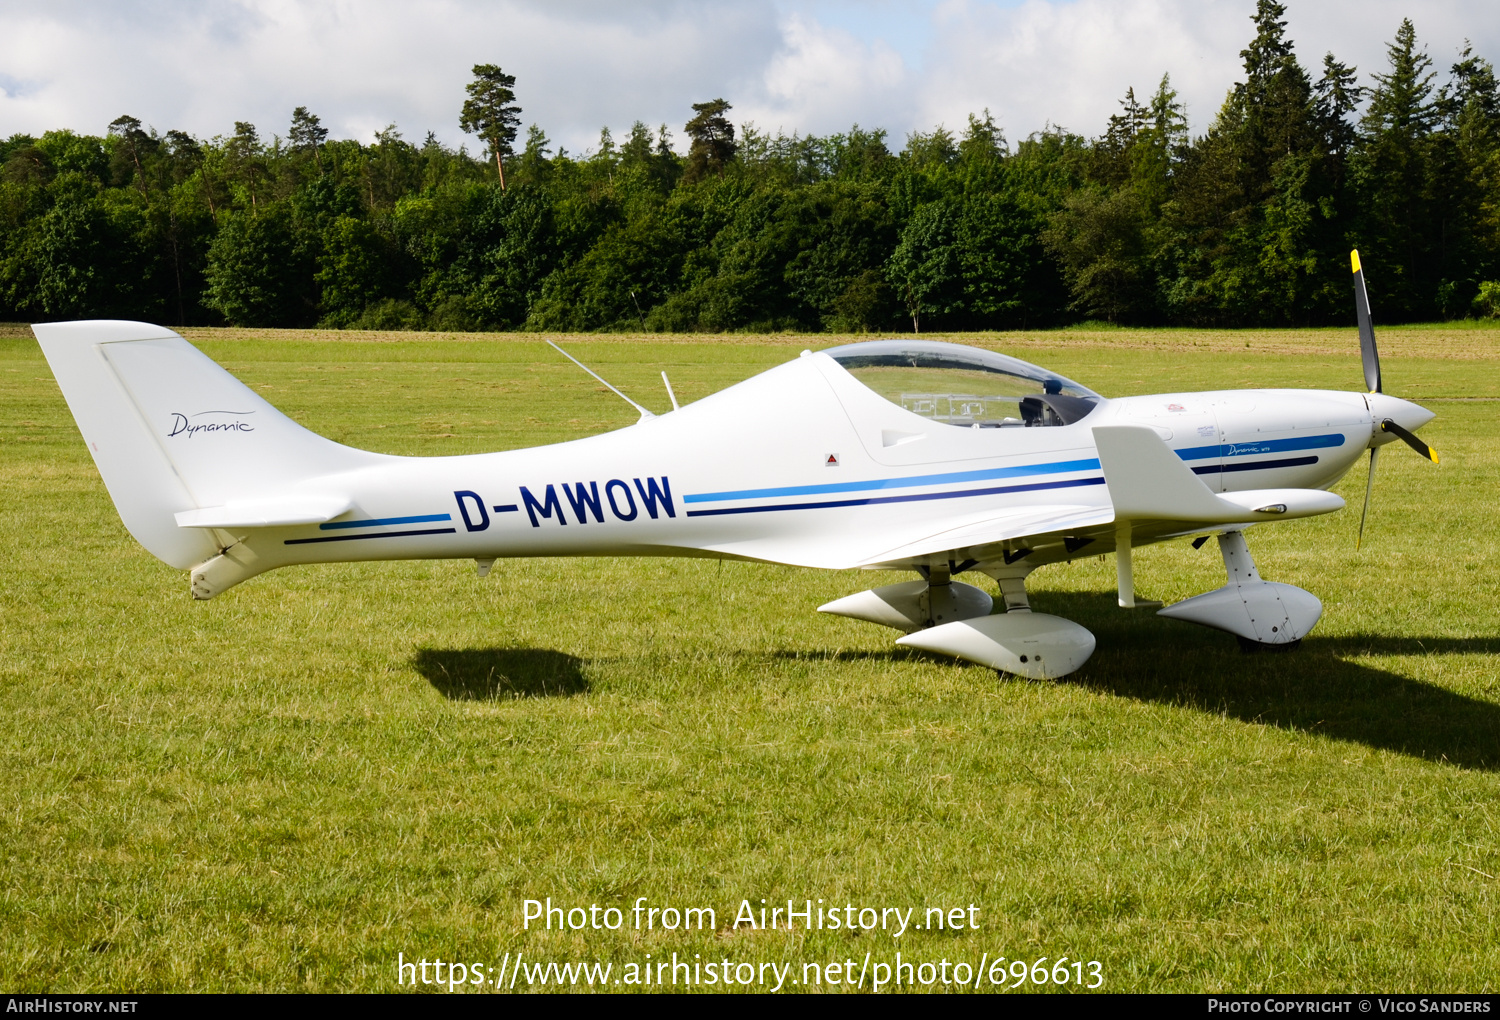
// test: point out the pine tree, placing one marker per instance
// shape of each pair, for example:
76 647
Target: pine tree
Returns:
307 134
1157 140
535 162
983 141
1467 181
1393 168
1337 97
713 147
637 148
491 113
1255 207
1111 151
1271 112
244 154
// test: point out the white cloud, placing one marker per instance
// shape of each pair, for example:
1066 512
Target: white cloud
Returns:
1070 62
800 65
823 80
363 65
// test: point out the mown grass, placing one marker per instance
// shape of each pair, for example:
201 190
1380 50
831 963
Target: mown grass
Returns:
285 787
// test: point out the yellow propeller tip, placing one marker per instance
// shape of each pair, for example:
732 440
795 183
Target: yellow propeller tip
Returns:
1354 259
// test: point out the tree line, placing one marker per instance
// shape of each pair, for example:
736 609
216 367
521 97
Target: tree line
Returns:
1249 223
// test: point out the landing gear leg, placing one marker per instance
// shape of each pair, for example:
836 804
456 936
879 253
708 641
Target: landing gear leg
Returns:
1013 591
916 605
1125 571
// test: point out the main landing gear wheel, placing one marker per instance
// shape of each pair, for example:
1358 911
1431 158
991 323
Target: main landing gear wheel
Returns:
951 618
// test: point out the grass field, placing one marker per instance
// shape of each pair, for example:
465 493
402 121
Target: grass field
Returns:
286 787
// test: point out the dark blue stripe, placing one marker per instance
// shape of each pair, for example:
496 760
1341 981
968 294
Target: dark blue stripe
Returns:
508 508
1262 446
912 481
771 507
375 534
424 519
1259 465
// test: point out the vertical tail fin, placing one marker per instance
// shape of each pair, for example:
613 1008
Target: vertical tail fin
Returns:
171 431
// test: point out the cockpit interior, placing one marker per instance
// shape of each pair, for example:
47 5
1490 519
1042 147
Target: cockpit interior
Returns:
965 386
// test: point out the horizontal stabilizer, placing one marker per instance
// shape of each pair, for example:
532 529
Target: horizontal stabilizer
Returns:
266 513
1147 481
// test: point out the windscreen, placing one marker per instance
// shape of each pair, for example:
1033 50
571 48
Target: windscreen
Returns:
965 386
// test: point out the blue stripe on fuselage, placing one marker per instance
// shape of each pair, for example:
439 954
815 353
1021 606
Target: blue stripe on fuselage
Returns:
373 534
912 498
423 519
1060 467
1256 465
1262 446
1021 471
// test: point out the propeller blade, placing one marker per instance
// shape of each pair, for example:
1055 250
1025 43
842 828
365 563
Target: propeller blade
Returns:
1369 484
1367 352
1409 439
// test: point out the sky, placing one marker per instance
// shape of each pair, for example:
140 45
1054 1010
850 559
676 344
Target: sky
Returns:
805 66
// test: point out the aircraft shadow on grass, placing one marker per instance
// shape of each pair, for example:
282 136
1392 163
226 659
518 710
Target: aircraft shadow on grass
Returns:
1315 688
496 674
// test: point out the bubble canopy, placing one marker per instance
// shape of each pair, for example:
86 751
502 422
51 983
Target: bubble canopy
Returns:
965 386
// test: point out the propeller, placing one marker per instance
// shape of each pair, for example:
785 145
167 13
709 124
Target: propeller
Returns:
1410 439
1367 352
1369 485
1370 357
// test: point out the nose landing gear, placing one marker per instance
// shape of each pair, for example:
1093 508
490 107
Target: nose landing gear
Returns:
1264 615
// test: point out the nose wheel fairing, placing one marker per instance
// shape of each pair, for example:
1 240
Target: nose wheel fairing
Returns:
1260 612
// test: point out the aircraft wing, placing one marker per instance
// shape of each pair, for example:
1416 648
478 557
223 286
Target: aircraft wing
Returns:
980 535
1150 490
983 538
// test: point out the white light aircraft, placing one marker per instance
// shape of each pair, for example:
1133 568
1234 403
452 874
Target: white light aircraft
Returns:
890 454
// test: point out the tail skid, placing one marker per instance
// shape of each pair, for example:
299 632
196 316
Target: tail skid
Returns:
186 449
